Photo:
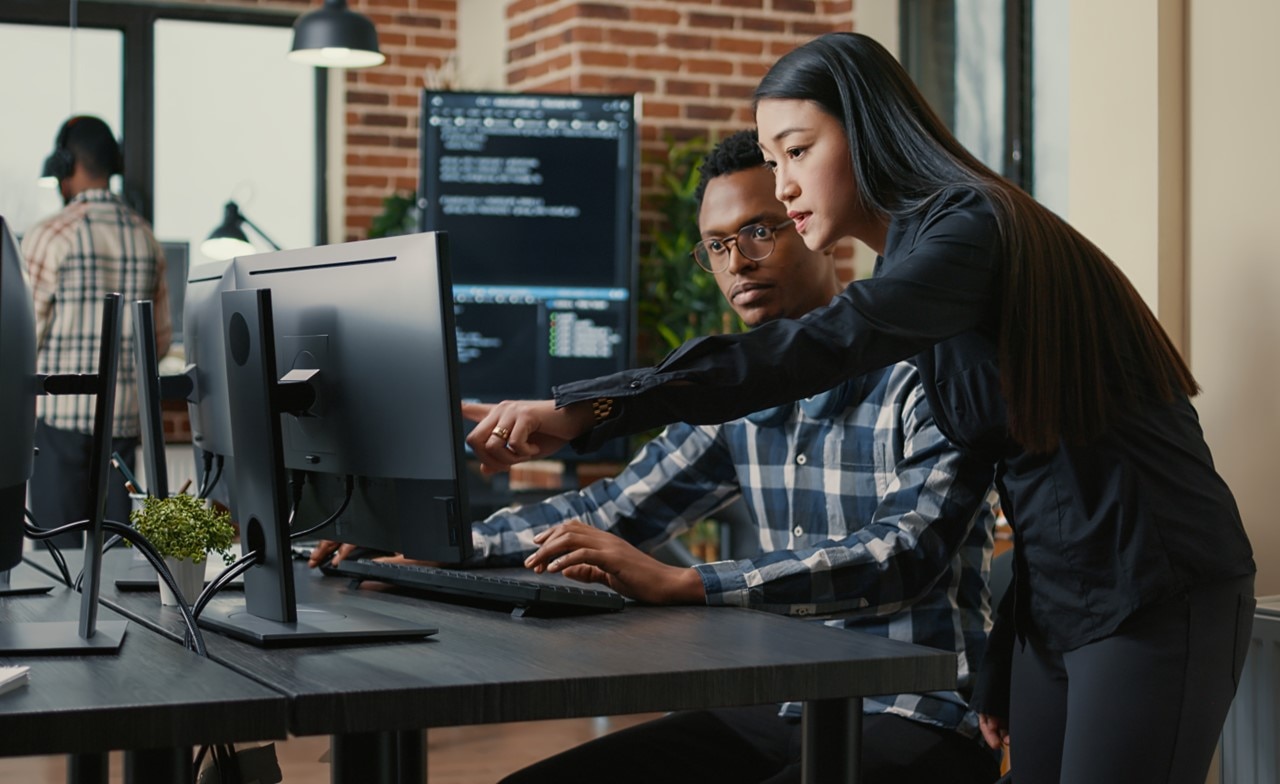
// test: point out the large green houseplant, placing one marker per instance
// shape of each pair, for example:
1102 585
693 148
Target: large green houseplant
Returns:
185 531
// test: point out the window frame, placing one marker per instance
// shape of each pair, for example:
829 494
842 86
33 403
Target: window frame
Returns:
136 23
922 22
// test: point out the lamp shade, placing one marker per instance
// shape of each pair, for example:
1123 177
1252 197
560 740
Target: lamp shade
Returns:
228 240
334 36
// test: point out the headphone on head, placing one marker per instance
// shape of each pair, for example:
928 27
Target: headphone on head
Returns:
61 163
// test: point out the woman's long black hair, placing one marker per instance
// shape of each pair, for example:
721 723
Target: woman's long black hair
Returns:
1078 346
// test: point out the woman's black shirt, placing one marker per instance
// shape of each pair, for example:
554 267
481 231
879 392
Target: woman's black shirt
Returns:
1135 516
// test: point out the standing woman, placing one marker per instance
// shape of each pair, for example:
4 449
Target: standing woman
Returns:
1133 573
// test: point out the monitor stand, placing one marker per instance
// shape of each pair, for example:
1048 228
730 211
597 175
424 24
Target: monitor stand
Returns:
270 615
21 585
88 635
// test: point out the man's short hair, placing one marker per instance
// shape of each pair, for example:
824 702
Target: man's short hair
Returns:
734 153
90 140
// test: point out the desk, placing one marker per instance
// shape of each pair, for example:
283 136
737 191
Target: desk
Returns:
486 666
153 699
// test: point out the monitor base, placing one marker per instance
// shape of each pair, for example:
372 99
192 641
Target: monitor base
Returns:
31 637
315 626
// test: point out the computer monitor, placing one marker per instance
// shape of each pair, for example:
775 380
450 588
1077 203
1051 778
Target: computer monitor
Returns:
367 329
152 389
538 194
208 408
177 258
18 390
19 387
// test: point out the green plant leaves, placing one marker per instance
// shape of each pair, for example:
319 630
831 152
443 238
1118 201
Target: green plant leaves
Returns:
678 301
184 527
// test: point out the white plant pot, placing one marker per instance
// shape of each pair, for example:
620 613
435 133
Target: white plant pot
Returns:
190 579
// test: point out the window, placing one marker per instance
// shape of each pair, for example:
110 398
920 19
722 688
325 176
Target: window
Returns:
204 100
996 71
34 109
239 128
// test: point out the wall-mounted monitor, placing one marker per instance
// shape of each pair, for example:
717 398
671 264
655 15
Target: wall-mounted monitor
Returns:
538 195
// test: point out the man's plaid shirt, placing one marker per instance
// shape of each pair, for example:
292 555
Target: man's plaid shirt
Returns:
95 246
867 517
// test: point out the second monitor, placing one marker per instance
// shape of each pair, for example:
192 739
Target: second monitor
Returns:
359 387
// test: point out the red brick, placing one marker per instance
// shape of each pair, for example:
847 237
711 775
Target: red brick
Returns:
658 16
698 43
795 6
686 87
628 84
554 18
763 24
737 91
588 35
718 67
660 109
713 21
610 11
367 97
814 29
523 52
712 113
639 39
611 59
745 46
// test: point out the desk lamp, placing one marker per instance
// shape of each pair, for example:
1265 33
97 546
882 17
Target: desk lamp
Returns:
229 240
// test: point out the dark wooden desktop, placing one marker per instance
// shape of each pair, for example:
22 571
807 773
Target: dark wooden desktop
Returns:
153 699
486 666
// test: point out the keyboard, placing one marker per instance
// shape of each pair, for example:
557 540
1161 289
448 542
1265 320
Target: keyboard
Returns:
527 593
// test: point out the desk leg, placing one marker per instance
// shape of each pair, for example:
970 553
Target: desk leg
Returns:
87 769
147 765
411 757
831 744
378 758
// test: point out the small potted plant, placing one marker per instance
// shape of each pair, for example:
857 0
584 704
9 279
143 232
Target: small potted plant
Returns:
184 530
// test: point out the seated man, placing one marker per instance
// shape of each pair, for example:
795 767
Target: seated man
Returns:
866 515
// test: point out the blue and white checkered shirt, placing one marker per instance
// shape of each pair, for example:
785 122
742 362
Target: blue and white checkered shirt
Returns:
866 515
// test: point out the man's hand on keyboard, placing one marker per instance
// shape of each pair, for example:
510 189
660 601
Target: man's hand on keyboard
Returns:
326 548
590 555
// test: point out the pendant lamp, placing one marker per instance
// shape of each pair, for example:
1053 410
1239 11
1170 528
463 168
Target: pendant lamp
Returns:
334 36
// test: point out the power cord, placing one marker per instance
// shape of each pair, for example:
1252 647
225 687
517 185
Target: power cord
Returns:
351 485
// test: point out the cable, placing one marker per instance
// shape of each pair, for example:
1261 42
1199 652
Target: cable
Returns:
351 485
54 553
206 459
216 475
223 579
297 480
40 534
194 637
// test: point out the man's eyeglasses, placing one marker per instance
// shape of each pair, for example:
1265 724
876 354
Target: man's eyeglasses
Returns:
754 242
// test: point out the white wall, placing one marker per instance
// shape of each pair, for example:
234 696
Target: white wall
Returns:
1234 253
1173 171
1126 143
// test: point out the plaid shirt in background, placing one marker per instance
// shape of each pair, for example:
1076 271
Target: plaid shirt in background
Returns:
95 246
866 515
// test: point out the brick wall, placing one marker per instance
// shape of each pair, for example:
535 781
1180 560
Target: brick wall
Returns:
694 64
418 37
